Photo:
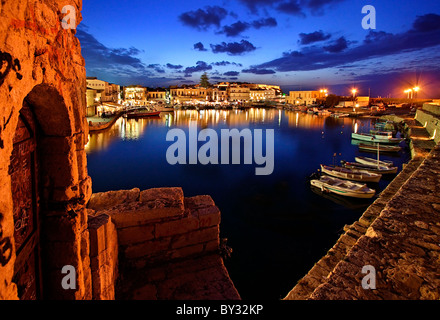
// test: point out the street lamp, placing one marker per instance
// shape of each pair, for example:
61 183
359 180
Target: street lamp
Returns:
354 91
416 90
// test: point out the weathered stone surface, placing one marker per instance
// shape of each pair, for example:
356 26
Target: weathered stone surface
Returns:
110 199
399 235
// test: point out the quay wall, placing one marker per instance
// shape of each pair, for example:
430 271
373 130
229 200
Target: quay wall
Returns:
429 117
157 228
398 234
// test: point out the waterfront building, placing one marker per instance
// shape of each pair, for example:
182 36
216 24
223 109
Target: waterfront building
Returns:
239 93
157 95
305 97
135 95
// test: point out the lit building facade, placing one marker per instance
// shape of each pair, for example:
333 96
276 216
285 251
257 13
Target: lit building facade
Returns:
305 97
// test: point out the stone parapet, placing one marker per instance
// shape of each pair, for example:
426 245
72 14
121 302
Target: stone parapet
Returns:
159 229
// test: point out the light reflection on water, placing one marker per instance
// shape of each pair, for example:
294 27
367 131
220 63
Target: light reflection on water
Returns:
133 129
277 225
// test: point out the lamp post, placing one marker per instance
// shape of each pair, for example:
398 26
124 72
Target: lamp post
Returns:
354 91
416 90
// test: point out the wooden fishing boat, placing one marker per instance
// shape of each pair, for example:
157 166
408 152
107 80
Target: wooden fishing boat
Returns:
146 114
374 148
370 168
379 138
350 174
343 187
374 162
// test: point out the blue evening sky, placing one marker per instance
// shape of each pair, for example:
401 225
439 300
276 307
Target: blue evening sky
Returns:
297 44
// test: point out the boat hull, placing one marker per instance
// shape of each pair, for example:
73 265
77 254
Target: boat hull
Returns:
373 162
375 139
327 187
349 174
372 148
370 168
142 115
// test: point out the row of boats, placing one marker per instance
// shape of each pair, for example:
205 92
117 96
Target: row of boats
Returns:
350 178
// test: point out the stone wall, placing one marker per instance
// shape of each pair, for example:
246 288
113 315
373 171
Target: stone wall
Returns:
429 116
159 227
42 66
103 256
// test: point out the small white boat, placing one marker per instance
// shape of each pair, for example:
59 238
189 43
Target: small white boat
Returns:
343 187
374 162
379 138
351 174
370 168
339 115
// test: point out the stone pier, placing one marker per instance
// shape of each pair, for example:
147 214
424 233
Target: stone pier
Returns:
169 245
398 235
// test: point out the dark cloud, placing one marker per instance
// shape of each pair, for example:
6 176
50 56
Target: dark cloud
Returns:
337 46
231 73
202 19
174 67
99 56
427 23
235 29
268 22
200 47
226 63
294 7
424 34
317 36
258 71
200 66
233 48
156 67
239 27
291 7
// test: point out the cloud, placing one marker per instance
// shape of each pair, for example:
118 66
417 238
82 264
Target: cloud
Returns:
200 66
174 67
200 47
235 29
99 56
268 22
239 27
156 67
317 36
233 48
427 23
293 7
337 46
258 71
231 73
423 34
226 63
202 19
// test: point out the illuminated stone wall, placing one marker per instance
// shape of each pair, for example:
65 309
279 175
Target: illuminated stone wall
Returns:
41 64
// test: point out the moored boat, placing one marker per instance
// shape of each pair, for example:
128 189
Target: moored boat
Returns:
379 138
350 174
373 162
146 114
343 187
374 148
370 168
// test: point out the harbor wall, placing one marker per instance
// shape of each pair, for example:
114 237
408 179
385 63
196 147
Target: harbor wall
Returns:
157 228
399 235
429 117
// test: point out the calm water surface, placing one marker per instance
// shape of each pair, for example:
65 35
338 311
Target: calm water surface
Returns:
277 226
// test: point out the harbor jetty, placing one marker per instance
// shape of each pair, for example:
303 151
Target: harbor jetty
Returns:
398 235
